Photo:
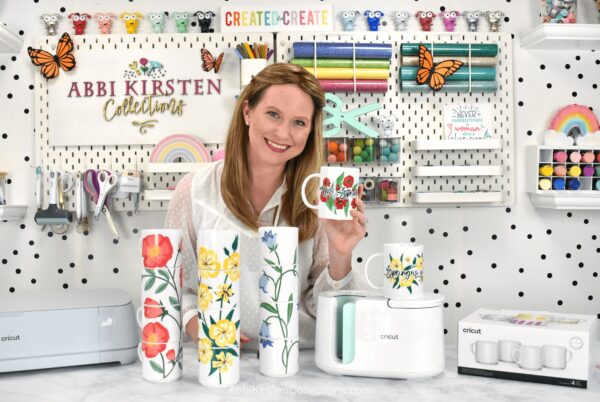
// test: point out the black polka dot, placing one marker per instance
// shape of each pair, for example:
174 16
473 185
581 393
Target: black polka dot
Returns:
452 261
595 274
569 214
520 79
567 66
36 256
431 231
548 85
521 270
463 276
446 331
465 228
22 226
135 231
359 259
445 282
83 280
11 290
586 221
520 103
457 304
506 19
494 265
72 265
580 265
21 32
578 247
494 237
115 241
508 210
590 297
62 9
386 216
9 96
404 223
116 270
26 159
469 252
574 94
529 236
90 256
542 66
4 136
412 240
33 281
60 270
568 255
549 275
15 252
580 76
31 87
428 210
595 86
436 291
521 294
65 286
560 302
478 290
50 234
529 132
574 283
26 111
4 261
548 232
129 213
64 237
16 76
3 67
442 8
31 242
14 58
543 256
441 267
513 226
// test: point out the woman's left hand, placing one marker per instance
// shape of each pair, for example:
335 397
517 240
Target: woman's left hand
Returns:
343 236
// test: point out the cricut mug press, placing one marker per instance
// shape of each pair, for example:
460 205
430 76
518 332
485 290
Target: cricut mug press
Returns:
362 334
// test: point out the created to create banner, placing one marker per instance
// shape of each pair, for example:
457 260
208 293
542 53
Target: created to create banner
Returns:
262 18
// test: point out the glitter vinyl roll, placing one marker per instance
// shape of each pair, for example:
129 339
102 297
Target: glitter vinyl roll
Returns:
330 50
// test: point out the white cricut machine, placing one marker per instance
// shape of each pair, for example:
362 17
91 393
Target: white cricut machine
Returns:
66 328
363 334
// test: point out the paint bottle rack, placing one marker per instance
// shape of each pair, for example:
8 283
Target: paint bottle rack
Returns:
569 187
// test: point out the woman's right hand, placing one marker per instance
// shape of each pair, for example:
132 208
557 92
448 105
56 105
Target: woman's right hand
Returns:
191 328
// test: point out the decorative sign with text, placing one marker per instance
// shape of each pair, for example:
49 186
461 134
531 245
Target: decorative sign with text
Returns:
138 89
261 18
466 121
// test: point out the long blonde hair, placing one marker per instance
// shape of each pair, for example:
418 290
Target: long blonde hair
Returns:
236 175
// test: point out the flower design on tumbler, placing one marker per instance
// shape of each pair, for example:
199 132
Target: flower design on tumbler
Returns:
154 339
205 352
157 250
270 240
223 332
171 355
223 362
406 281
265 332
225 292
232 265
419 263
153 309
336 195
208 263
263 282
204 296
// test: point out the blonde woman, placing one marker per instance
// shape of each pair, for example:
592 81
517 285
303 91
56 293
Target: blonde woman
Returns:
274 142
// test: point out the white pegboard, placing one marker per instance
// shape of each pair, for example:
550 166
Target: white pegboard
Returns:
127 157
420 116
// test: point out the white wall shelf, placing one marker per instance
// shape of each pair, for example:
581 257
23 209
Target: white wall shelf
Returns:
443 145
562 37
12 212
425 171
478 197
157 195
183 167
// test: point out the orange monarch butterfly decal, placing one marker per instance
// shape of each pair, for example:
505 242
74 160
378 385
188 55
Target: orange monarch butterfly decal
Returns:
434 74
51 64
209 62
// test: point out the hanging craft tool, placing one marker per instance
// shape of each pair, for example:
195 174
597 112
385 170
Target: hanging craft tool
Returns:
38 187
50 22
81 205
51 64
106 181
335 117
91 183
53 215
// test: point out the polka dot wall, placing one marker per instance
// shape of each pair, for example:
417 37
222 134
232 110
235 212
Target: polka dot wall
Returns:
518 257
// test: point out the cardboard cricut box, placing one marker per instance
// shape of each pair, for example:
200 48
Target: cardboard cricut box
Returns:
533 346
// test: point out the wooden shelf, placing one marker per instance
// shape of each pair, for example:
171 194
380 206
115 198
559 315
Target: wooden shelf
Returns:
421 171
562 37
448 145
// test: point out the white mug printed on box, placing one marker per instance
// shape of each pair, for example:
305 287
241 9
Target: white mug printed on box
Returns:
279 357
161 361
161 248
556 357
338 190
218 367
528 357
402 270
506 349
486 352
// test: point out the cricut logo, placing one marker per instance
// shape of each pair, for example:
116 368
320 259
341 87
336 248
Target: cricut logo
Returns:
389 336
472 331
10 338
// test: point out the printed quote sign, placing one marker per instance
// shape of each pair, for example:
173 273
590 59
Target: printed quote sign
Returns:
262 18
141 92
467 121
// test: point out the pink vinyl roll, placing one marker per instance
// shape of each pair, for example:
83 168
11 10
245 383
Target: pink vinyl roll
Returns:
348 85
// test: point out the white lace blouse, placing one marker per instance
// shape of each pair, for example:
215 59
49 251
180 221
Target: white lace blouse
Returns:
197 204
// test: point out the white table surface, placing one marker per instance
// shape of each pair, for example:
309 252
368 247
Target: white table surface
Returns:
115 383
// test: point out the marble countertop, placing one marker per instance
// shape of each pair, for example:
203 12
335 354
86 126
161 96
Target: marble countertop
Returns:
125 383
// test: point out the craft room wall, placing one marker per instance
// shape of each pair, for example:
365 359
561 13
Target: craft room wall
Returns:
517 256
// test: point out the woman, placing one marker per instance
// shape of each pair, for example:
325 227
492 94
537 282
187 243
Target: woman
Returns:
274 142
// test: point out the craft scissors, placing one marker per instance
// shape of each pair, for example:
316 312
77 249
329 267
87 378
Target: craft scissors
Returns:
95 185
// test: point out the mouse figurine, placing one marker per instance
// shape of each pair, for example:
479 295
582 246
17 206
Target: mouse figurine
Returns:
449 20
387 124
472 19
349 19
373 19
401 20
50 22
425 19
494 18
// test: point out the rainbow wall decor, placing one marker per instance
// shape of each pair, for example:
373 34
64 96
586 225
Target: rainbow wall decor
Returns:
180 148
575 116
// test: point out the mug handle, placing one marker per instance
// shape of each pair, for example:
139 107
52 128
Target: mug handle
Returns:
139 351
138 316
516 353
569 355
366 271
303 193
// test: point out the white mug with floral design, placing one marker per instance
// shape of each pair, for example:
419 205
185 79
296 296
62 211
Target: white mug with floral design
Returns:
218 367
402 270
279 357
168 317
218 250
278 245
338 191
161 361
219 291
